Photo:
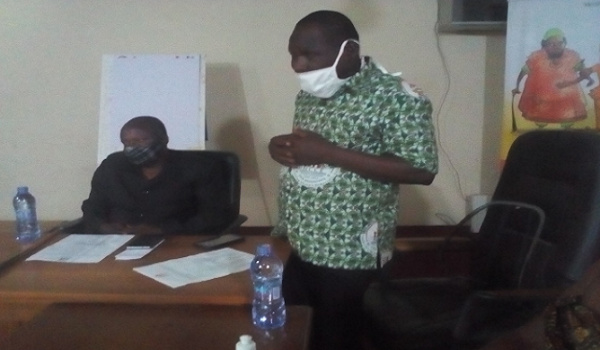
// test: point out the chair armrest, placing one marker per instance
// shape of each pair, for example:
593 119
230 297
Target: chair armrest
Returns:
72 226
522 294
415 244
232 227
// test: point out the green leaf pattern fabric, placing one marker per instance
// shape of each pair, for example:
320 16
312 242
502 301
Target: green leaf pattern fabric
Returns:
327 221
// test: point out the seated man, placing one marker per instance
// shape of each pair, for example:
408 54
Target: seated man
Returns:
150 189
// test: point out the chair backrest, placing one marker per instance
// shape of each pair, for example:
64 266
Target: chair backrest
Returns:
231 168
558 171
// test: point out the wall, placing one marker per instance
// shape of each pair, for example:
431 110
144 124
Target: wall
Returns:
50 59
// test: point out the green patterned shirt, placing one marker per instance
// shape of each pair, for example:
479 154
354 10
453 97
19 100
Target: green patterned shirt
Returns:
334 217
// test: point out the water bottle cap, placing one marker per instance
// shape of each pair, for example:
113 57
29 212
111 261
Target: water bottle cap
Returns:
245 339
245 343
22 189
263 249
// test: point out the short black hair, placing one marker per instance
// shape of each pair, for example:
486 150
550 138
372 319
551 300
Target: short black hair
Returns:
336 26
150 124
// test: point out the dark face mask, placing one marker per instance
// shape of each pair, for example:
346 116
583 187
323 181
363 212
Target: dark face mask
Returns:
143 155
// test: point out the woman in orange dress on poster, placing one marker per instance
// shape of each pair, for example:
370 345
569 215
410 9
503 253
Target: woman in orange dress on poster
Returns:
549 96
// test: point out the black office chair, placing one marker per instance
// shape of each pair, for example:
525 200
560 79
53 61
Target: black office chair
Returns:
233 178
539 235
231 165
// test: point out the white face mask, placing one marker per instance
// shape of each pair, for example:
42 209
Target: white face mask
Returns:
323 82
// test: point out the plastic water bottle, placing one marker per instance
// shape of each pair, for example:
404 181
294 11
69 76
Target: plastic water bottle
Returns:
27 229
268 306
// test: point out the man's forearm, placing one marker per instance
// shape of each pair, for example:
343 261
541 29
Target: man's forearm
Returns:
385 168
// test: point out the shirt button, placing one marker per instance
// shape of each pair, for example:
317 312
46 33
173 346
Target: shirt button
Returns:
146 192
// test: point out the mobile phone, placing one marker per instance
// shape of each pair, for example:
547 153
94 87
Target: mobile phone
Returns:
219 241
145 242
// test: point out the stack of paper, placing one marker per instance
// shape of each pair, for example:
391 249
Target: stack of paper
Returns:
81 248
197 268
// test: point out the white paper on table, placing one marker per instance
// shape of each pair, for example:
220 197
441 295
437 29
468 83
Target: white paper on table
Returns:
197 268
81 248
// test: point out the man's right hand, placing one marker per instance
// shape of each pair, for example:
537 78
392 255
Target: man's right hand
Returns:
280 149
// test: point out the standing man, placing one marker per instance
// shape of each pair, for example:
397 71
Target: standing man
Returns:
358 133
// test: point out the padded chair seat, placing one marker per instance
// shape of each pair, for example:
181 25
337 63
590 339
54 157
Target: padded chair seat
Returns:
487 315
433 313
424 313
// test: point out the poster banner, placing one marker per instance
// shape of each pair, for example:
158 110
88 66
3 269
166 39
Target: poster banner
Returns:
552 67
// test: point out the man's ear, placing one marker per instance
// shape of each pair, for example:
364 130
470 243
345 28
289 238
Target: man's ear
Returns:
165 140
352 48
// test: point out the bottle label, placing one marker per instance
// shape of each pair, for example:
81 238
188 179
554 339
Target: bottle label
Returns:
26 220
25 215
276 292
22 215
268 293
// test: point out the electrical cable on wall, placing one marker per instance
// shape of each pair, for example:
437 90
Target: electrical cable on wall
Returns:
437 114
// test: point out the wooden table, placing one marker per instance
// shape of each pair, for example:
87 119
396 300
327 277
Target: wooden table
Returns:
27 287
11 250
115 281
148 327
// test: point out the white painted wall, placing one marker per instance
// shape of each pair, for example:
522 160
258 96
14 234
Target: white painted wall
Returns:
50 66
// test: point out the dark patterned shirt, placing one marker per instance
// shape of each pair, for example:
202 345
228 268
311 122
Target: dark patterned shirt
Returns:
334 217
